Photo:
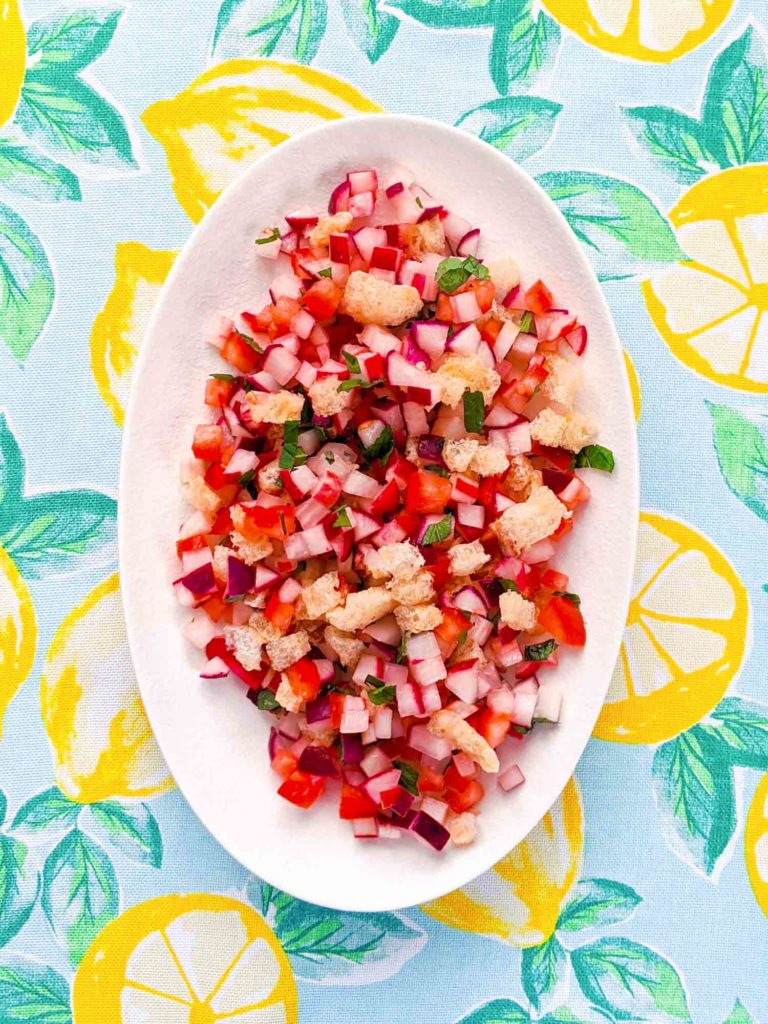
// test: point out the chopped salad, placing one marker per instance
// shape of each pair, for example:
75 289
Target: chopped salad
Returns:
386 465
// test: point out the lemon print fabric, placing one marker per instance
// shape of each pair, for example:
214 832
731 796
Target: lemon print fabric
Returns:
519 899
195 959
18 632
101 740
236 112
648 30
119 327
685 638
13 46
634 385
756 844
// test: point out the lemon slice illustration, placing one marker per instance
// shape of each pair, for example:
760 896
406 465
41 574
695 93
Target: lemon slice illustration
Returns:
634 385
685 638
756 844
13 46
18 632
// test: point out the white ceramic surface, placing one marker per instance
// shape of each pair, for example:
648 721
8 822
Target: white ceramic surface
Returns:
212 737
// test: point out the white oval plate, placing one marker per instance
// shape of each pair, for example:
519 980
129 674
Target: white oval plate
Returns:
214 740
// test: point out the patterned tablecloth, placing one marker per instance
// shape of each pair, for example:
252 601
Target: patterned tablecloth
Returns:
642 896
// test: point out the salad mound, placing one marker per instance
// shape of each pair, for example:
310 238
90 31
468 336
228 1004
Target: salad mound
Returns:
379 486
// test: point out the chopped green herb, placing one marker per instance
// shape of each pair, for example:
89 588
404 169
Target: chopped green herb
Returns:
274 234
382 447
246 385
250 342
520 730
573 598
400 656
594 456
527 323
352 362
539 652
223 376
246 478
437 470
453 272
496 618
409 777
325 272
419 203
509 585
265 701
307 412
474 411
292 454
342 519
381 694
438 532
462 637
373 681
322 434
355 382
233 597
330 458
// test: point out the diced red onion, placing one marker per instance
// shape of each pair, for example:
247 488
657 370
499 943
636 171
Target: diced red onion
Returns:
351 749
429 831
318 761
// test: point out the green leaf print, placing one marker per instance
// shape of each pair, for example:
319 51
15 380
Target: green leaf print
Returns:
695 795
80 892
630 981
26 285
372 29
11 466
25 170
738 730
541 968
677 141
736 102
739 1015
46 814
500 1011
334 946
292 29
619 226
444 13
74 123
597 902
522 46
33 993
130 828
519 126
3 806
562 1015
19 886
741 446
71 39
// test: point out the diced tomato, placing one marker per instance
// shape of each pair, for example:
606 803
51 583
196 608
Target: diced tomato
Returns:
278 521
217 648
301 789
222 523
489 488
566 525
303 678
240 354
207 442
489 329
284 763
284 311
218 392
261 322
493 726
299 256
279 613
336 700
539 298
439 565
454 623
430 781
329 490
427 493
444 309
217 609
485 293
563 620
322 301
407 521
560 458
387 500
342 330
355 803
460 802
196 543
554 580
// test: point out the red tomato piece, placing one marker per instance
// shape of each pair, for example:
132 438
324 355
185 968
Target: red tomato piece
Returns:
322 301
301 789
387 500
485 293
207 442
444 310
460 802
355 803
430 781
284 311
240 354
427 493
453 625
563 620
493 726
304 678
336 700
539 298
284 763
218 392
278 521
279 613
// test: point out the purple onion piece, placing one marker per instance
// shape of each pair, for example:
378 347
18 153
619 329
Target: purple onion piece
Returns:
431 447
318 710
318 761
200 581
402 808
322 421
239 578
429 830
403 820
414 354
351 748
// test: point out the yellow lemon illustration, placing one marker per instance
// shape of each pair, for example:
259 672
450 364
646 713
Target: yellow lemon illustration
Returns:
685 637
18 632
519 899
756 844
13 47
711 310
236 112
102 743
194 959
634 384
119 327
651 30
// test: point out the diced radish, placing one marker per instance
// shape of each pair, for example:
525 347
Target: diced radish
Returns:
548 705
455 229
465 308
465 341
365 828
469 243
214 668
200 630
303 219
362 181
539 552
339 201
510 778
281 363
577 339
360 484
512 440
285 286
385 630
462 680
219 329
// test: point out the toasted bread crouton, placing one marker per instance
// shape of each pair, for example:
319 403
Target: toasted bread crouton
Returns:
458 455
516 612
277 407
333 224
221 563
269 477
530 521
463 828
489 461
425 237
286 696
361 609
245 644
200 496
288 649
399 561
522 477
505 274
572 432
251 551
447 725
419 589
562 381
466 373
467 558
347 648
369 300
326 398
264 629
419 619
320 597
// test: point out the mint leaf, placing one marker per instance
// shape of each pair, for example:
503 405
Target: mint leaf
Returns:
351 384
325 272
595 456
436 533
409 777
437 470
342 519
266 701
527 323
474 411
223 376
382 695
509 585
353 364
453 272
539 652
274 234
382 447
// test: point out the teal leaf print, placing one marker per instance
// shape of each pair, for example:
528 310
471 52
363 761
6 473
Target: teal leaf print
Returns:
597 902
71 39
619 226
630 981
562 1015
19 886
519 126
32 992
3 806
335 947
739 1015
677 141
72 122
736 101
49 533
130 828
25 170
522 46
499 1011
372 29
541 968
270 28
26 285
11 465
695 795
46 814
742 455
738 730
80 892
444 13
